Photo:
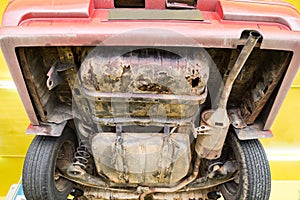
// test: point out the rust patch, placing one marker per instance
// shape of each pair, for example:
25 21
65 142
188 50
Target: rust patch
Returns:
256 98
140 81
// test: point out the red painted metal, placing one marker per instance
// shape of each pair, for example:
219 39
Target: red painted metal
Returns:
261 11
85 22
207 5
158 4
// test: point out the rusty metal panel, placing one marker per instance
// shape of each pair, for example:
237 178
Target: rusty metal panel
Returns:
144 83
255 99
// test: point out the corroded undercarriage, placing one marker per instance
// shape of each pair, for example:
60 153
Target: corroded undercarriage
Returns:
251 90
152 121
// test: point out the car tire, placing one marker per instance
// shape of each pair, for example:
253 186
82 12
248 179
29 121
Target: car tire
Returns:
254 179
40 177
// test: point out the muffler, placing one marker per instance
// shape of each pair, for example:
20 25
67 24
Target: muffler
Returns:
216 122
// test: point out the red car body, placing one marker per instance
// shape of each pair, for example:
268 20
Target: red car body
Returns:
37 33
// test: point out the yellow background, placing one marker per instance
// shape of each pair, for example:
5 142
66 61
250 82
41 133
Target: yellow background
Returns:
286 142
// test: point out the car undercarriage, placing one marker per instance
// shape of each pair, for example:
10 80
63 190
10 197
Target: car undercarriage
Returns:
150 100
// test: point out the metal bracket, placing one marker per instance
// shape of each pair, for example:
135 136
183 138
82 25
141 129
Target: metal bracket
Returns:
47 129
54 79
167 155
119 155
236 118
202 130
252 132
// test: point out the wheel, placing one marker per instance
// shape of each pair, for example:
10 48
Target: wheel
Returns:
45 155
254 179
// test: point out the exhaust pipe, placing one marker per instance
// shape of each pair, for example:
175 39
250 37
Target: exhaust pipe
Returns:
210 146
179 186
217 121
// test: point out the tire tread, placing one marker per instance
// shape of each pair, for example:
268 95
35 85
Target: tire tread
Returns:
38 168
255 170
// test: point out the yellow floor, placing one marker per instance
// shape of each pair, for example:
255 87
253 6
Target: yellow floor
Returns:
283 150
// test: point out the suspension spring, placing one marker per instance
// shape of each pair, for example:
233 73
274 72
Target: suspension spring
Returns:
81 156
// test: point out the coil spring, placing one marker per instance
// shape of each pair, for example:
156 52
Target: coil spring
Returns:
81 156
